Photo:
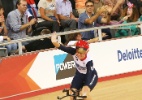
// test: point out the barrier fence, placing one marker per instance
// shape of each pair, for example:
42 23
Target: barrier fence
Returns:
19 41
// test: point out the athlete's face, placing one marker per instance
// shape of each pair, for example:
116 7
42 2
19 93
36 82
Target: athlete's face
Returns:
81 53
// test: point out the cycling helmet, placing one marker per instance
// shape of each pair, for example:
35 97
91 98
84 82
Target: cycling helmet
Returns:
82 44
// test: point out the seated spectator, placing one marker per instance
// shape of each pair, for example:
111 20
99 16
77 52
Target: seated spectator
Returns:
130 14
67 19
39 44
17 22
64 11
3 33
49 18
88 19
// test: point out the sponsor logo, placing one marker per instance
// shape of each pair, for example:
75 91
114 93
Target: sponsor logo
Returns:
92 80
64 66
80 67
129 54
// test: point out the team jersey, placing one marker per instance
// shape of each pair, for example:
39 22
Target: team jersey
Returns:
85 66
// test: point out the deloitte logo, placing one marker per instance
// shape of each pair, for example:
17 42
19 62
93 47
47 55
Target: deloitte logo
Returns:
64 66
129 54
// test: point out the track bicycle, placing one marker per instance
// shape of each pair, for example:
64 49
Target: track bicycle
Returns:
75 94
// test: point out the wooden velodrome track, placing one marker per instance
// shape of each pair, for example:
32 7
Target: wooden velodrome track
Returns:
128 88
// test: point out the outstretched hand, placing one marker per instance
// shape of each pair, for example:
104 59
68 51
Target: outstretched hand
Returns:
55 40
104 35
125 18
54 37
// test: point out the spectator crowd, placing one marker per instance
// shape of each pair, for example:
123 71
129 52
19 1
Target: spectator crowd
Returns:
38 17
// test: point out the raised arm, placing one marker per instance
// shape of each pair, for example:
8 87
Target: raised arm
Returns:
54 40
95 17
96 39
118 4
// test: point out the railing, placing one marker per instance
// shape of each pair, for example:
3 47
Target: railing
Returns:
19 41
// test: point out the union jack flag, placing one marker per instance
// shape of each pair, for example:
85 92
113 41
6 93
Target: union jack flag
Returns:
32 10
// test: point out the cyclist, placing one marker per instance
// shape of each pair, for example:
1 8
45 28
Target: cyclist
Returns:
86 76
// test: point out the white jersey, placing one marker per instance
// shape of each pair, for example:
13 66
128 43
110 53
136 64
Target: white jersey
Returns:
81 65
85 66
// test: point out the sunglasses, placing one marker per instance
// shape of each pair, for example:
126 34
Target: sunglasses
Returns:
89 5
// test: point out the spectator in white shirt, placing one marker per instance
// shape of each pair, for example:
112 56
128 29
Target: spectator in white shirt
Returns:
64 11
49 18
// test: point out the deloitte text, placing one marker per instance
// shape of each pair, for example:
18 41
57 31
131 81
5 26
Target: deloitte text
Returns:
129 54
65 66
